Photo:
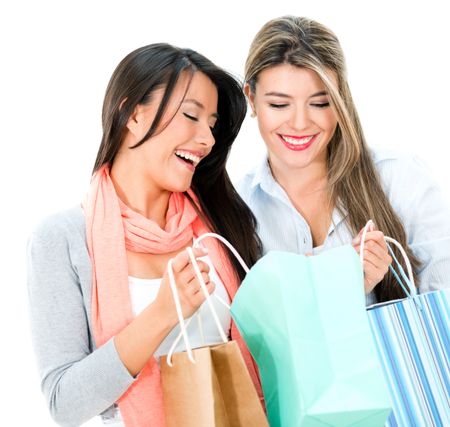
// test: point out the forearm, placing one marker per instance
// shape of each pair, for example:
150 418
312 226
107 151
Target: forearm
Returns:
137 342
80 390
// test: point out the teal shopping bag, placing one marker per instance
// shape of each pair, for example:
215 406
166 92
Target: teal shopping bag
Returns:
304 320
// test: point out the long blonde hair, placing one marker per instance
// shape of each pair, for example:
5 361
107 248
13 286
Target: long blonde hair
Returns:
354 186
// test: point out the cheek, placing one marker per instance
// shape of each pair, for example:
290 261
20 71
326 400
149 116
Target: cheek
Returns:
152 153
174 128
269 121
327 121
162 145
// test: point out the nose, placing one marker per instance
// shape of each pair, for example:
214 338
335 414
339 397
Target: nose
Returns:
204 136
299 119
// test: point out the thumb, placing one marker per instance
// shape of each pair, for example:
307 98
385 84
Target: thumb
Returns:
357 239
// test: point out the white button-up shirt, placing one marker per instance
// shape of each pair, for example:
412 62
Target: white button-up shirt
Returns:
411 190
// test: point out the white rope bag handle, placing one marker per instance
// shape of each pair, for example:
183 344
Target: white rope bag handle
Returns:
183 326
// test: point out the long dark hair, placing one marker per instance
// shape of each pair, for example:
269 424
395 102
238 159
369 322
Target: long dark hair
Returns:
160 65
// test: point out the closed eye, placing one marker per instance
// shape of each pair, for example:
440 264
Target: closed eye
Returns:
321 105
278 105
194 119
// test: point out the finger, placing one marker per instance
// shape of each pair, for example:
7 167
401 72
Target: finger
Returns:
182 259
377 236
379 248
372 274
199 297
357 240
374 238
194 286
202 266
373 248
188 272
366 251
379 263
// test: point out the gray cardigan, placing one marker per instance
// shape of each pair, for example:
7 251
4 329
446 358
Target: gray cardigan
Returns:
78 380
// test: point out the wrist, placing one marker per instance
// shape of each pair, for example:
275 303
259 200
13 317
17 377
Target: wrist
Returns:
166 318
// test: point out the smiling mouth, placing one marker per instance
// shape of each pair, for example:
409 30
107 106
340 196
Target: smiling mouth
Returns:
298 143
188 158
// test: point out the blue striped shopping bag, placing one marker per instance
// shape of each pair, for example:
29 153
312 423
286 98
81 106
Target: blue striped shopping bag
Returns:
413 342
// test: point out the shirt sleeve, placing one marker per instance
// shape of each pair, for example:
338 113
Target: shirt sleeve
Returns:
77 381
425 213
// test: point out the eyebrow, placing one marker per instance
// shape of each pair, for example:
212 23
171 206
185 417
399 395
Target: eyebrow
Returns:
199 105
284 95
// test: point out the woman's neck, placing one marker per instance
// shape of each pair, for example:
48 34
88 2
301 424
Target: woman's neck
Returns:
306 188
139 193
300 182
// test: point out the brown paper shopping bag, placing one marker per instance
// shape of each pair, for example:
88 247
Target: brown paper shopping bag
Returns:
215 391
208 386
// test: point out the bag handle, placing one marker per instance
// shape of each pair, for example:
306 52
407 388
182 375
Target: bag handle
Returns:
176 298
409 280
183 333
198 240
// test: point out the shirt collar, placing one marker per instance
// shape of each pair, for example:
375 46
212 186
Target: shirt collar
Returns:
262 173
264 179
337 217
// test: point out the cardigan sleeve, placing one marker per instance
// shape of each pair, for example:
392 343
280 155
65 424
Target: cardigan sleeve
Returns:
78 382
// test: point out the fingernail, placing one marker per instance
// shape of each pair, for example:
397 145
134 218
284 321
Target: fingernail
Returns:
355 241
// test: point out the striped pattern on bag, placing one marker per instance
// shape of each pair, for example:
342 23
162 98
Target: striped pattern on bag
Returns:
413 340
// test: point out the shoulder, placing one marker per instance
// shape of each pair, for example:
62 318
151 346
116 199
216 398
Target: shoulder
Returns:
57 252
244 185
386 160
410 186
65 227
250 182
401 170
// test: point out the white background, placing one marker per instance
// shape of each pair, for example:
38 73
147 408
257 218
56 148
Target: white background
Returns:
56 60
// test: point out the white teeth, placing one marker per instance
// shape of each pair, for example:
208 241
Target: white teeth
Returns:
297 141
189 156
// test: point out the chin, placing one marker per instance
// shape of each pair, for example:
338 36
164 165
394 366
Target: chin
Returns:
179 187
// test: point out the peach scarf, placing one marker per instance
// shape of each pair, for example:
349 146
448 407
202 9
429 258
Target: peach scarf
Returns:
110 228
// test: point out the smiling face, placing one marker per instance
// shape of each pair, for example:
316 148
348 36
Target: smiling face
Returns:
294 116
168 159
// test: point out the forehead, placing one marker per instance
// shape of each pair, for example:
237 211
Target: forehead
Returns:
291 80
202 89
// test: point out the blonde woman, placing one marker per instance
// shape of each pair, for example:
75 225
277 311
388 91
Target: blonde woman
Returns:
320 182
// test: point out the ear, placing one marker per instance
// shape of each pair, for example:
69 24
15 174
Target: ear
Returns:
251 97
135 121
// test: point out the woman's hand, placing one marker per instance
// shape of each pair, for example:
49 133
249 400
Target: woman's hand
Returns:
376 257
189 290
138 341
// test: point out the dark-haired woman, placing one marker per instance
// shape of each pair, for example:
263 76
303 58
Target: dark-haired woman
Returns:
101 306
320 182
